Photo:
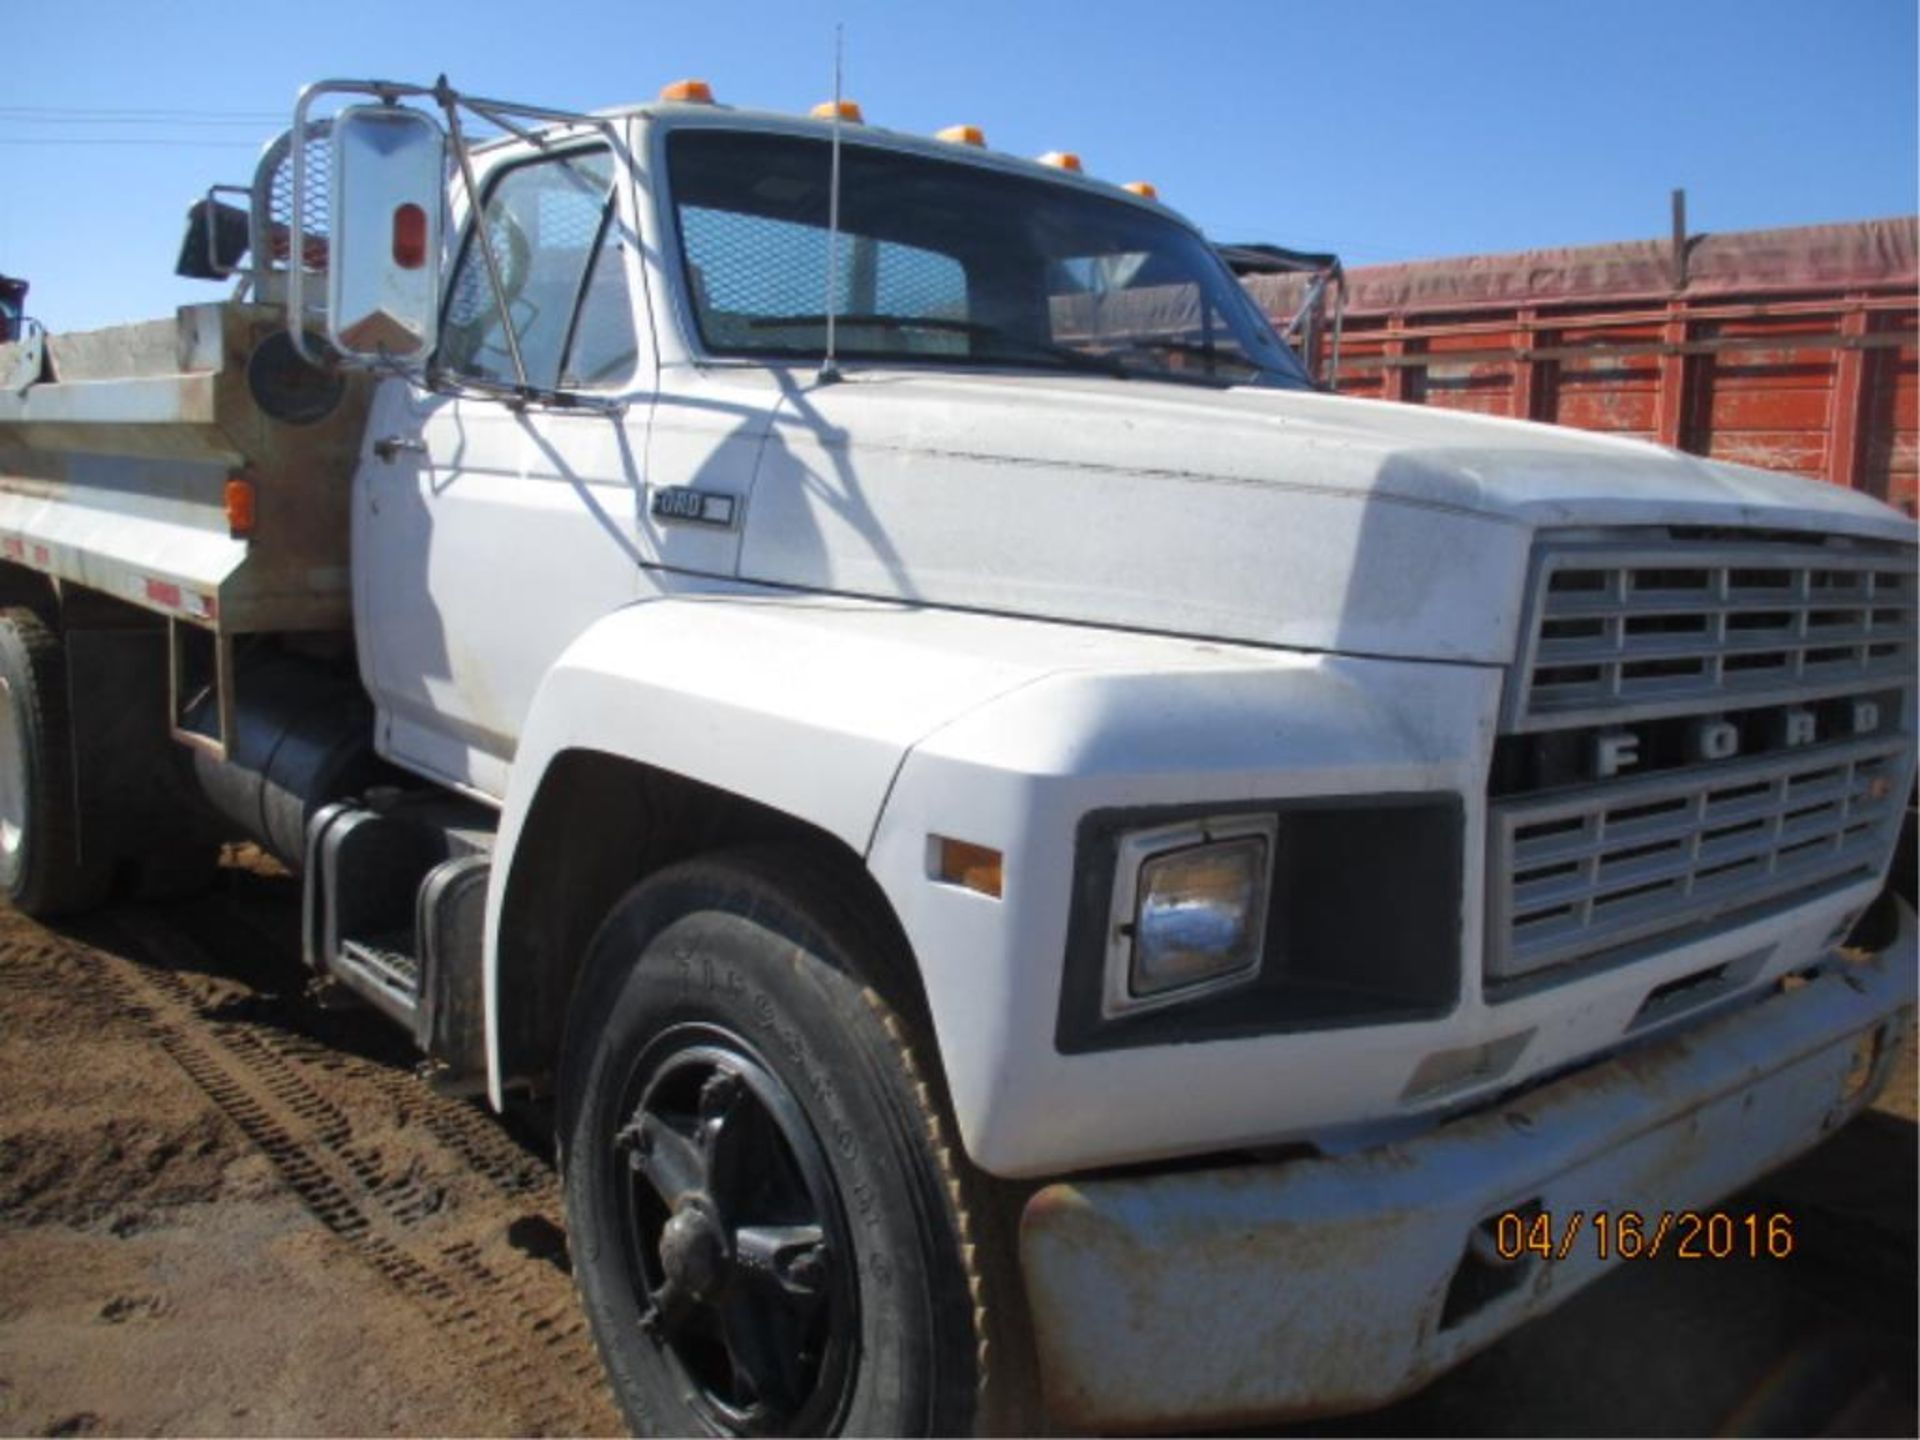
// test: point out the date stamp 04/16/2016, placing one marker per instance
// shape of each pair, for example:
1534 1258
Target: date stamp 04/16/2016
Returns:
1632 1235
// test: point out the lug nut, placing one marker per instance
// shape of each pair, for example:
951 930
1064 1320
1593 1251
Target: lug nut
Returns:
635 1139
807 1269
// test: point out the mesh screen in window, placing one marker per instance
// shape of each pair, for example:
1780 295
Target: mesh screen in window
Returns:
761 283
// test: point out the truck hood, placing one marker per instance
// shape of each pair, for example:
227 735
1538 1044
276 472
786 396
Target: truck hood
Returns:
1266 516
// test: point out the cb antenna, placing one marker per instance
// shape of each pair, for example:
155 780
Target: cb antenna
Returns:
829 370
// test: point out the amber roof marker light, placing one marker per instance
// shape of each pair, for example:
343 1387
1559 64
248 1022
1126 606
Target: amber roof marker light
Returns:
962 135
1063 160
687 92
847 110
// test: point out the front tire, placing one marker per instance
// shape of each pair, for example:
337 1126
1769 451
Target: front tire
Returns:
43 870
769 1235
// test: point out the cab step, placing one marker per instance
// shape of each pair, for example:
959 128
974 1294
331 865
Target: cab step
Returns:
384 972
394 915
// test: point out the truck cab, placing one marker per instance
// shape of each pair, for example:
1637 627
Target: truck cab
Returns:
695 309
1008 823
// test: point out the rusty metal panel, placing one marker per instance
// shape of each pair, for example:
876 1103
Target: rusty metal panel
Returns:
1792 350
1597 389
1461 375
1890 429
1769 402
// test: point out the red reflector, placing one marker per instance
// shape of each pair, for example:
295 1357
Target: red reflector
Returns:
409 236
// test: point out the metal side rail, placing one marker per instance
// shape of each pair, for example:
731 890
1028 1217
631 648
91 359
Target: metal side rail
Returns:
1324 1285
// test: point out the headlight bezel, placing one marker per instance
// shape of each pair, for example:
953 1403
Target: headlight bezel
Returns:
1377 876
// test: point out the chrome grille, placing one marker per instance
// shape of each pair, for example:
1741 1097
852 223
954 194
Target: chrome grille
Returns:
1608 865
1673 629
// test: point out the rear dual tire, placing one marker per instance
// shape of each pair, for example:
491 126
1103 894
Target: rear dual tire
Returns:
44 871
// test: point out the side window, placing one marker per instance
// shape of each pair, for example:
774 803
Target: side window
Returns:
555 237
603 350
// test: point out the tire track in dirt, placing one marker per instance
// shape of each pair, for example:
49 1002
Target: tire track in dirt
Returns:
550 1311
477 1137
412 1182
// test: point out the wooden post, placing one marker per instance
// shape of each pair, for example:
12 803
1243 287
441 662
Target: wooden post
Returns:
1671 402
1680 239
1395 387
1526 397
1847 416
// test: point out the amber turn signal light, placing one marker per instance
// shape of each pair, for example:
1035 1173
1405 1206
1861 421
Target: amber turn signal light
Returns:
973 867
240 498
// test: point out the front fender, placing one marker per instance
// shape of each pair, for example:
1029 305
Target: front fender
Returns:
804 704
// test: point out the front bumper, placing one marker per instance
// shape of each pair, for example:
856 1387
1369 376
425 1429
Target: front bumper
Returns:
1333 1284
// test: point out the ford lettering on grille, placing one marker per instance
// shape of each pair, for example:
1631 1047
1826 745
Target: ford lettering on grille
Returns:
1617 750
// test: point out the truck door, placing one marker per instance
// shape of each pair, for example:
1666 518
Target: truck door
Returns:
490 531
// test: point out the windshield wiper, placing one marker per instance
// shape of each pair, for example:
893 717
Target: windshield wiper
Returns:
1066 354
1068 357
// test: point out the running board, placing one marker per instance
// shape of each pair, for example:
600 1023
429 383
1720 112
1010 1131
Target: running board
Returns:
394 915
382 972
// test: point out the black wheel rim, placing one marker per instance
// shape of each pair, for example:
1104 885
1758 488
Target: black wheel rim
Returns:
736 1239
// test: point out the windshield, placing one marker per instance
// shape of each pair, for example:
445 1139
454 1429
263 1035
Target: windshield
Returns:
952 264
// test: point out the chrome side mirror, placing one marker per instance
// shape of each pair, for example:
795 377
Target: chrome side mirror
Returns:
387 202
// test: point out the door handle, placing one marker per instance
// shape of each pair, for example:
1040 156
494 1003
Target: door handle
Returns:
392 447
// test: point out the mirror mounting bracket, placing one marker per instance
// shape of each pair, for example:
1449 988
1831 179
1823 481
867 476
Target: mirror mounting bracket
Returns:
504 114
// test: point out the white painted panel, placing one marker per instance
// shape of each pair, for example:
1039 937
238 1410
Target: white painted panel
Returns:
479 561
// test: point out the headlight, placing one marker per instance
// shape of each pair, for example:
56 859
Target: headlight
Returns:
1291 914
1189 910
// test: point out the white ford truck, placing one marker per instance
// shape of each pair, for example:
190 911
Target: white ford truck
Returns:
1054 874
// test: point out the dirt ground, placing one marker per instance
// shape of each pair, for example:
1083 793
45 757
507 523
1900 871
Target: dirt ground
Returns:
226 1211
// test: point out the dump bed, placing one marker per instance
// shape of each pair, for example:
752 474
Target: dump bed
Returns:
114 470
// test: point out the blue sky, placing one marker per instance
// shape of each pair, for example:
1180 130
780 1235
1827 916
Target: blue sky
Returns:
1385 129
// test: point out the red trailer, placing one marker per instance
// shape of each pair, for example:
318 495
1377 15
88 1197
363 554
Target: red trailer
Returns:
1789 349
